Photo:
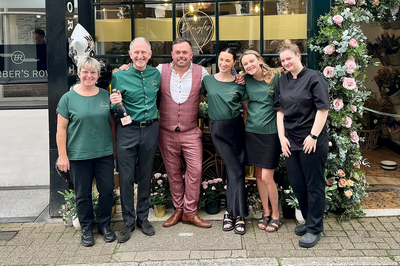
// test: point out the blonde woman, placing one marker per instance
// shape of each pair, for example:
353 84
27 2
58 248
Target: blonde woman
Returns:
302 104
261 134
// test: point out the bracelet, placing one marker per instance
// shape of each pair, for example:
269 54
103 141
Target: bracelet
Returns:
313 136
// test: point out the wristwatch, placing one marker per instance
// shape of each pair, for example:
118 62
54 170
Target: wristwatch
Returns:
313 136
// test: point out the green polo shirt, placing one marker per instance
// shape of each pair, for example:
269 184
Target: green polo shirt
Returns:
139 91
223 98
261 117
88 132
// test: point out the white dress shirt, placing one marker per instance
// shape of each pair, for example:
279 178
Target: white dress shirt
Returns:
180 87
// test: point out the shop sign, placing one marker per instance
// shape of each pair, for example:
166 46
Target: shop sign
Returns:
25 63
71 21
197 27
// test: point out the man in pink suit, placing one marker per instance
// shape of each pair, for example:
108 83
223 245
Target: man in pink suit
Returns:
179 106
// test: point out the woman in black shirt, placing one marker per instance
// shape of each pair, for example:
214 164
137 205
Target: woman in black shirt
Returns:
302 105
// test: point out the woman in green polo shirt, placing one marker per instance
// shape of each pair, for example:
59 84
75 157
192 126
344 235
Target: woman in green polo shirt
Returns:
85 147
261 134
227 131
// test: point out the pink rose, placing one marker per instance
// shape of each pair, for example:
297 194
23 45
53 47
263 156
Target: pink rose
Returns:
362 2
353 43
348 193
338 104
353 108
205 186
350 183
338 19
156 187
350 2
159 182
351 66
354 137
210 182
225 187
329 182
348 122
157 175
342 182
328 72
164 175
356 165
349 83
213 188
162 194
341 173
204 183
330 49
155 193
151 194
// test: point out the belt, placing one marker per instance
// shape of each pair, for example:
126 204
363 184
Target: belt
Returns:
144 123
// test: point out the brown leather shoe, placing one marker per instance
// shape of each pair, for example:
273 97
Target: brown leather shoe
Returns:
195 220
174 219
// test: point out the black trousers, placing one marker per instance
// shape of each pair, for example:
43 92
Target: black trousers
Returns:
306 176
141 143
82 173
228 139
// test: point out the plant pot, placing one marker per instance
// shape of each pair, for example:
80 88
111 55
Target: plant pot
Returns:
299 217
200 123
67 220
249 170
386 26
159 211
385 60
213 207
395 25
288 212
76 224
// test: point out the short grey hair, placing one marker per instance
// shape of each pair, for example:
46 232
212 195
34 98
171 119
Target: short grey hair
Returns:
140 39
90 63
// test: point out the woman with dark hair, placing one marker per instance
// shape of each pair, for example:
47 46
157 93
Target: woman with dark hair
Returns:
302 103
227 131
262 142
85 147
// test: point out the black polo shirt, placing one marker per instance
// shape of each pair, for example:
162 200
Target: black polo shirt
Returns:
300 99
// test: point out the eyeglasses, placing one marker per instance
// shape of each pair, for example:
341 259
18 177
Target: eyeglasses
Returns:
85 73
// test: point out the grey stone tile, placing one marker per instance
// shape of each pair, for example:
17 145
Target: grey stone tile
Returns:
201 254
222 254
350 253
164 255
337 261
363 246
378 252
123 257
326 253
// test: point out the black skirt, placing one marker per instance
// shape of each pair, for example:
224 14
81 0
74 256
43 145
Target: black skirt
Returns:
262 150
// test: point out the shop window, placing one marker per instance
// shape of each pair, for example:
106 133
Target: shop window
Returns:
23 57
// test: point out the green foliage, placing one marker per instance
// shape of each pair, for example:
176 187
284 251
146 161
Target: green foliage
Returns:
340 29
160 192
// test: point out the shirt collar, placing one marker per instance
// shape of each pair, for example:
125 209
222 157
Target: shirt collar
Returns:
301 73
137 71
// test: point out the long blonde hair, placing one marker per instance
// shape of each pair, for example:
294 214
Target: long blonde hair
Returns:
268 72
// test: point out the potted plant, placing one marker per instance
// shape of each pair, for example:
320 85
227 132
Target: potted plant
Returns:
203 114
253 197
160 193
212 191
286 196
68 209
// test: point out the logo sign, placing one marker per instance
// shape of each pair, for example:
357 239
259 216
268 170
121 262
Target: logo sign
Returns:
18 57
196 26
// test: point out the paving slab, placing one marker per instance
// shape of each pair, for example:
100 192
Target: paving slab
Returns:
336 261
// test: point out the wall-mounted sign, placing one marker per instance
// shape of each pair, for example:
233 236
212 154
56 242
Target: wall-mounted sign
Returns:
198 27
25 63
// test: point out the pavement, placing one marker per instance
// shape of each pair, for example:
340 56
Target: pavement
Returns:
373 240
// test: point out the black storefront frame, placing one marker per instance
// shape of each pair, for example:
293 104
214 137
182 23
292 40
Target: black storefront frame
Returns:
57 50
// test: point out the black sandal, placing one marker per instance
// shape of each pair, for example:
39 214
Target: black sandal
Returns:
228 220
264 221
240 223
275 224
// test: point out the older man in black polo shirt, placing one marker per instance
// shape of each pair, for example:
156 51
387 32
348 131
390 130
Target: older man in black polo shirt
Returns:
138 88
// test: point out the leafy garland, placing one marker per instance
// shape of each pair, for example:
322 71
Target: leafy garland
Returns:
345 58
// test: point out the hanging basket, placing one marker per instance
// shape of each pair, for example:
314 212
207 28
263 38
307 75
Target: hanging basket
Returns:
395 134
395 97
394 59
395 25
370 139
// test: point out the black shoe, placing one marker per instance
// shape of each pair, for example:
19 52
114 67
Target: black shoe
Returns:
147 228
309 240
87 239
125 234
109 235
300 230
